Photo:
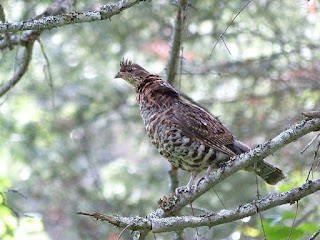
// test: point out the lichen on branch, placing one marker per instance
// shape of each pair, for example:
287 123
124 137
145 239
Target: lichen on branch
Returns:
156 224
49 22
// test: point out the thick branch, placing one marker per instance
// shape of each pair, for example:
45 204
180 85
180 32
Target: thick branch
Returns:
49 22
157 225
27 53
176 41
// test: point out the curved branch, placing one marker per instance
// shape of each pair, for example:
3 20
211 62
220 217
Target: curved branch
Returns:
27 53
168 224
49 22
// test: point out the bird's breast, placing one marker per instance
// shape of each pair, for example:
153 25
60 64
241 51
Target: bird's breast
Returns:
167 136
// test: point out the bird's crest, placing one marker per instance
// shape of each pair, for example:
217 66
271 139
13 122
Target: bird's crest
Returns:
125 63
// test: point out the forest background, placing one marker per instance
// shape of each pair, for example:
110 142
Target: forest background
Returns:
71 137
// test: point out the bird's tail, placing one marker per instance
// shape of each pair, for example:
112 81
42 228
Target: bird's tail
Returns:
267 171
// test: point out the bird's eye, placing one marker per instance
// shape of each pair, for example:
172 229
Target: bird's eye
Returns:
130 70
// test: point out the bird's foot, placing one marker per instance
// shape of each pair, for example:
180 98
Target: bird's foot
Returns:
205 177
189 185
181 189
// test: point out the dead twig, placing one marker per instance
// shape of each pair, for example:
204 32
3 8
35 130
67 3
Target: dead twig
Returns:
221 35
309 144
294 220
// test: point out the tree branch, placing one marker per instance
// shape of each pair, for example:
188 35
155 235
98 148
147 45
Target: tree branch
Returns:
6 35
27 39
176 40
173 204
49 22
168 224
242 211
315 235
27 53
22 39
158 221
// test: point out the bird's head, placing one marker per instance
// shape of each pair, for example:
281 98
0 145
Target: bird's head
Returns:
132 73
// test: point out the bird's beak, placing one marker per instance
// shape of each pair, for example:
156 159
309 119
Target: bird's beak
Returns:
118 75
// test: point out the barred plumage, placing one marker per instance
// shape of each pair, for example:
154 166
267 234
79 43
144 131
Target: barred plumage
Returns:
188 136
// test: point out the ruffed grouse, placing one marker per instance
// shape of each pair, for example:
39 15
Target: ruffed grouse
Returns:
188 136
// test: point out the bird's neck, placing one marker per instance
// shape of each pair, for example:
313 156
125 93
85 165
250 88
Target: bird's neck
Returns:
155 94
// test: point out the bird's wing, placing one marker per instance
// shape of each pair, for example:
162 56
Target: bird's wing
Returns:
197 123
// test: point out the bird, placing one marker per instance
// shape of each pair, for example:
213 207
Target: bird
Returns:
188 136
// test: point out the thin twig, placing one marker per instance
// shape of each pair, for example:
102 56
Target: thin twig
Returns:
314 159
123 231
305 2
260 214
219 198
16 192
193 215
4 203
199 209
310 208
309 144
221 35
313 237
226 45
293 223
48 75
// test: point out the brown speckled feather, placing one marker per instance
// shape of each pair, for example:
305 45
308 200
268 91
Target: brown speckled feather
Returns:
200 125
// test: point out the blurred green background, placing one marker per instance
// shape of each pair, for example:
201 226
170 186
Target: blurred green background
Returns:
83 147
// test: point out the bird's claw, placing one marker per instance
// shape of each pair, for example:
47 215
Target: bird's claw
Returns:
182 189
205 177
